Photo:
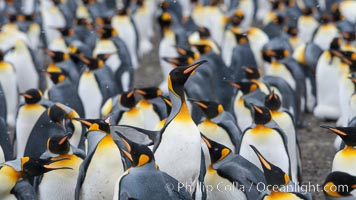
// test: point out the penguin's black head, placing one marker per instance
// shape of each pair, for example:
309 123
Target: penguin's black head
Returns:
59 144
185 52
204 32
273 174
350 37
66 31
278 54
31 167
57 2
272 101
87 2
96 124
347 134
291 28
138 154
280 18
335 44
81 22
103 56
252 73
165 20
92 63
217 151
127 99
178 76
326 17
335 9
57 56
210 109
202 47
241 38
149 92
178 61
168 103
103 21
339 184
244 86
32 96
262 115
106 32
237 17
57 114
1 56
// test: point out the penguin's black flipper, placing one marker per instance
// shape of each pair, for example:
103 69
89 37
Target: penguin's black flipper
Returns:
228 123
240 170
138 135
177 192
23 190
107 83
3 111
5 143
201 185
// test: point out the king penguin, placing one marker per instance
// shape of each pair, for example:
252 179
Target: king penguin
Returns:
144 179
219 125
344 160
8 81
286 122
307 23
338 186
229 170
272 141
60 184
129 114
180 135
27 116
326 31
12 171
98 174
282 186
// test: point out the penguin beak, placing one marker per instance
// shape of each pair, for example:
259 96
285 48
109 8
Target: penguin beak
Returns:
37 166
206 141
334 130
173 61
49 52
200 104
191 68
83 121
263 161
141 92
257 109
235 85
64 139
248 70
130 94
26 95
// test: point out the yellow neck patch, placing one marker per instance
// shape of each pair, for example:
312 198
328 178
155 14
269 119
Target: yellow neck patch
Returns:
330 189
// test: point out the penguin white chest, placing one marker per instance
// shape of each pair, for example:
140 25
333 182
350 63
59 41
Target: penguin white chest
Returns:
90 94
180 145
9 85
280 70
244 117
221 188
133 117
26 119
103 171
345 161
271 145
2 155
216 133
8 179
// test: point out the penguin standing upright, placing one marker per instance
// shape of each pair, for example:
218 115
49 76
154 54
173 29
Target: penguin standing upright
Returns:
180 134
26 66
283 187
344 160
151 105
326 32
96 81
228 170
271 141
307 23
144 180
286 122
8 81
25 167
219 125
60 184
103 164
28 114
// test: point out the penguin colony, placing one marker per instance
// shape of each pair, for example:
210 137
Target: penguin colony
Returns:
238 77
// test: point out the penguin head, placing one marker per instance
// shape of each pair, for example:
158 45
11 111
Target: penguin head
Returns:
96 124
188 53
165 20
32 96
269 54
274 175
59 144
138 154
210 109
326 17
57 114
204 32
217 151
106 32
252 73
92 63
57 56
127 99
335 44
103 56
88 2
335 10
272 101
56 76
202 46
241 37
178 61
66 31
291 28
347 134
237 17
279 18
178 76
149 92
339 184
57 2
262 115
30 167
244 86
